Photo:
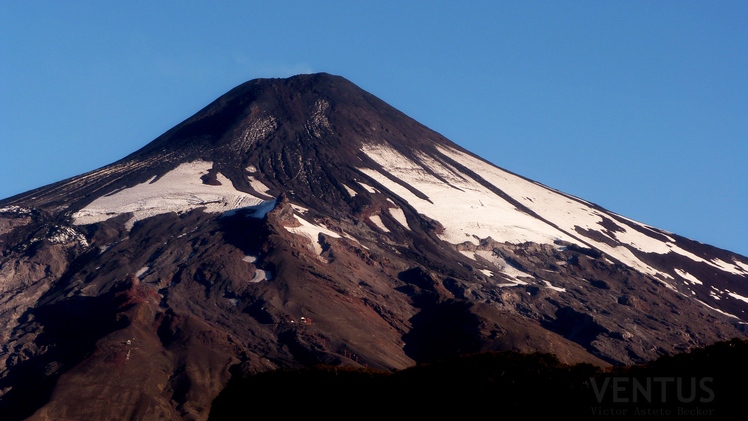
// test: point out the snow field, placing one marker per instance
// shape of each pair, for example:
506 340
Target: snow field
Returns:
179 190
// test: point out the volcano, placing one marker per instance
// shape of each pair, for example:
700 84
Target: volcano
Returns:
303 222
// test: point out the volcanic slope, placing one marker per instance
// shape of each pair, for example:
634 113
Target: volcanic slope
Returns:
303 221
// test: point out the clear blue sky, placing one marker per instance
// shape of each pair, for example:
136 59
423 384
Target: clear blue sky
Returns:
638 106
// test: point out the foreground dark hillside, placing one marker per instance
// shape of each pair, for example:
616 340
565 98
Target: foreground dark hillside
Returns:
705 382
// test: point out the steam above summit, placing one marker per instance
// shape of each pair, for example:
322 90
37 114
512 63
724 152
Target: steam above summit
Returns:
303 221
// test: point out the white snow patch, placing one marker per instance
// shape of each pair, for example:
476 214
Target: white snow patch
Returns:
717 310
377 220
466 208
258 185
469 254
487 272
350 191
503 267
515 275
15 209
550 286
491 257
64 235
568 212
737 296
444 170
650 228
688 276
260 275
141 272
513 283
179 190
727 267
249 259
399 216
263 208
258 211
368 188
312 231
715 263
742 266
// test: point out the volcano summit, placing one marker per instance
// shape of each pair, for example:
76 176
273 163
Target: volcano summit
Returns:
303 221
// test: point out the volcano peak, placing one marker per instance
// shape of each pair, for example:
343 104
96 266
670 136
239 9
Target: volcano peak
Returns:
303 221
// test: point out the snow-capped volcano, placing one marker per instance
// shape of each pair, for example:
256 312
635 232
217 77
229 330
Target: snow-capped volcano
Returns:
304 221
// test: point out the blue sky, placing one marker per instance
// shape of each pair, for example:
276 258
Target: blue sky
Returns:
638 106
